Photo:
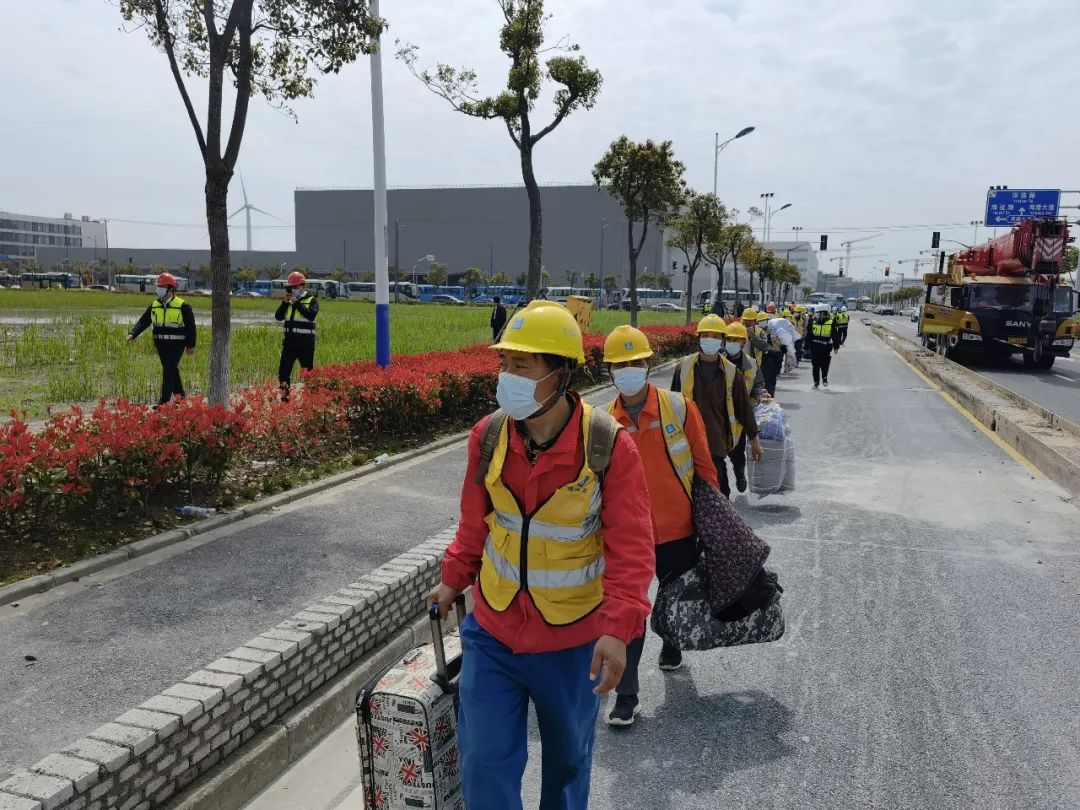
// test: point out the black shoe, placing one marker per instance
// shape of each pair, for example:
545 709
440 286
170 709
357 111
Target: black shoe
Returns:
740 483
670 659
624 711
816 386
825 383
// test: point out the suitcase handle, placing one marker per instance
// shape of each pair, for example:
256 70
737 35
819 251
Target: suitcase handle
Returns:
443 675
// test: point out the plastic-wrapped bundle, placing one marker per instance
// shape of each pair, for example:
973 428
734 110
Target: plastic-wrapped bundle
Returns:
771 421
775 473
682 614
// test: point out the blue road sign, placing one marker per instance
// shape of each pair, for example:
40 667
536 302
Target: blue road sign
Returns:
1006 207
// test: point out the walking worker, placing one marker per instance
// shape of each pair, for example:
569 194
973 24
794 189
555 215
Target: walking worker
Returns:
498 318
174 333
842 321
736 341
800 332
670 436
824 341
299 340
561 568
717 388
773 357
758 343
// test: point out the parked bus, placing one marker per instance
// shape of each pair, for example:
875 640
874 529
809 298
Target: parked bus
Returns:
560 294
510 295
365 290
728 297
48 280
649 298
143 283
319 287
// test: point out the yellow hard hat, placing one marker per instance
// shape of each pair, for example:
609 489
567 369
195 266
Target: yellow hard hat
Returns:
749 314
737 331
800 309
762 316
625 343
543 327
711 323
787 312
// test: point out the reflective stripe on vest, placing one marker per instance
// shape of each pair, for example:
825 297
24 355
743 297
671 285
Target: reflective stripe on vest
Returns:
687 368
302 326
822 330
556 554
168 319
750 372
672 423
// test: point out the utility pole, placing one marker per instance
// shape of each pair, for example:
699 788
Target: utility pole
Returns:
378 142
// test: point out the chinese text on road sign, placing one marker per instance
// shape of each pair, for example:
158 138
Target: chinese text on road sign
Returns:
1006 207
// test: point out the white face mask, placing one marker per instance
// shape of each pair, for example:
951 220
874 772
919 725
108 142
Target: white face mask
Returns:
630 380
298 293
516 395
733 349
162 291
711 346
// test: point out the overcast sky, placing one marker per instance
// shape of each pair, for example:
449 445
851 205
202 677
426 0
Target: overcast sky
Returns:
868 112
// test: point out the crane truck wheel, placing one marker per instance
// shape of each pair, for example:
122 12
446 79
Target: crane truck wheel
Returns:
1046 362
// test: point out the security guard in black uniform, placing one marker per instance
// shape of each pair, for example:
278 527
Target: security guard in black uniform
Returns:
824 340
298 311
174 332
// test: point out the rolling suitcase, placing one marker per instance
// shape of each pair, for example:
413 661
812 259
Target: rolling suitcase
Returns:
407 727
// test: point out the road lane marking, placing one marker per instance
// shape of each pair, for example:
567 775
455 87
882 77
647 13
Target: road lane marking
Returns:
1008 449
1063 377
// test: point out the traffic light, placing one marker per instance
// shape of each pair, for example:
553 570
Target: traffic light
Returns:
674 266
825 243
935 240
886 272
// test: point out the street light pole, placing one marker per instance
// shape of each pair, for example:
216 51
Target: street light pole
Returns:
397 260
378 142
719 147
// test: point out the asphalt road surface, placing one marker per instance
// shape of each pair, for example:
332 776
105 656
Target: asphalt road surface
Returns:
1057 390
931 658
105 645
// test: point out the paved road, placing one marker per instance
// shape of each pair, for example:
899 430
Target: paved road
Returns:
1057 390
931 659
108 643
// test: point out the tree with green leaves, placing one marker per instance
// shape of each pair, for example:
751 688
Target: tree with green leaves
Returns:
647 181
699 224
437 273
247 274
739 240
272 48
1068 261
573 276
521 279
806 291
522 40
204 272
338 274
591 281
472 281
545 278
500 279
272 271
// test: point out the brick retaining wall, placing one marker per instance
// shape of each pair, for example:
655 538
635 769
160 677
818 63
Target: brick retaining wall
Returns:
144 757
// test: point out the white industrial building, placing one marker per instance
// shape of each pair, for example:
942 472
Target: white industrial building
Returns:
22 234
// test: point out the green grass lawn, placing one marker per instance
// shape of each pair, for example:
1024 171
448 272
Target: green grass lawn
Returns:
79 355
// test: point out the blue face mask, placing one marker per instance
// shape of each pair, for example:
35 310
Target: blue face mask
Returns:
733 349
516 395
162 291
711 346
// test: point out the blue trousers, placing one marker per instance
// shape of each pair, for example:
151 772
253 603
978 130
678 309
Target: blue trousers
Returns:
496 687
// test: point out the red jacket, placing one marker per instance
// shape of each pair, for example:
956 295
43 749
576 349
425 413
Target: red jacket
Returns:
626 526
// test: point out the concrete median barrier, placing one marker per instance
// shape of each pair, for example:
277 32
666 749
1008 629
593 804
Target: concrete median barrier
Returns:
1049 441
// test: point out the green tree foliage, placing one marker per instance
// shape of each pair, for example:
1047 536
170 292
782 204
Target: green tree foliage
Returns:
473 281
501 278
272 48
437 273
647 181
522 40
698 225
272 271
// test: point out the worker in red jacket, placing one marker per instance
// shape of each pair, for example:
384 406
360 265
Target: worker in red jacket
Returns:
561 569
670 436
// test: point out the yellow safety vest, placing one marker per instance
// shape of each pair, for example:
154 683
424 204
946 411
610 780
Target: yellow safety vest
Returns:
168 319
673 426
556 554
301 326
750 372
822 330
688 366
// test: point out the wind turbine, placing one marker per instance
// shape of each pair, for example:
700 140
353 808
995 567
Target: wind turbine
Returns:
247 208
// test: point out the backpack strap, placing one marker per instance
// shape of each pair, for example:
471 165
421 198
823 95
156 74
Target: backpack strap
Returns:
489 439
603 429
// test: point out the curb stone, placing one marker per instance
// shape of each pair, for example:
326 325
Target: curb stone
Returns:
45 582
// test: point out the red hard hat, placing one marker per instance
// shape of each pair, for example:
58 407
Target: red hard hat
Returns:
771 308
166 280
296 279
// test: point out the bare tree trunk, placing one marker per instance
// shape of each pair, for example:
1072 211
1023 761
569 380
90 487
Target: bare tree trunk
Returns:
690 293
217 205
536 224
633 270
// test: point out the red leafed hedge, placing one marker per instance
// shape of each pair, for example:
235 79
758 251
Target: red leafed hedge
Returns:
122 454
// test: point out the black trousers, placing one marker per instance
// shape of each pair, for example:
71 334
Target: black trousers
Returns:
495 332
843 334
295 348
798 351
672 559
771 365
170 352
821 358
